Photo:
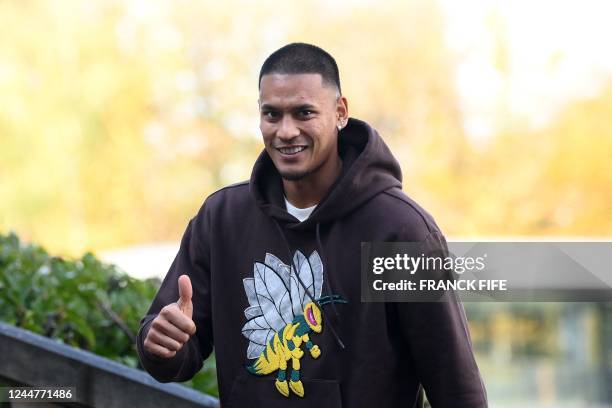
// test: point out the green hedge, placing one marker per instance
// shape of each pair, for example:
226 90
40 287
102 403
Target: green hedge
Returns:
83 303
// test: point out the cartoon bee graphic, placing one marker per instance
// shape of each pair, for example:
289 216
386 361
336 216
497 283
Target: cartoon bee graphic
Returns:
284 309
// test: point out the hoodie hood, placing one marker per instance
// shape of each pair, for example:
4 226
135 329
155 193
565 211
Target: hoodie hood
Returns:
368 169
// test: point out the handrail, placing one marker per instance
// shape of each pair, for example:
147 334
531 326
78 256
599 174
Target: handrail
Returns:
30 359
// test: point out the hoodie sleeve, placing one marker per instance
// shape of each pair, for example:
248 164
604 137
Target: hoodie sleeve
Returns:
193 259
440 346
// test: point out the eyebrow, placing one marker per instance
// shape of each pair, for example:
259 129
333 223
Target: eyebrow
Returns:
305 106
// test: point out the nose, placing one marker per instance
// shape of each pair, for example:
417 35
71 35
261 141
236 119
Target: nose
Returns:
287 129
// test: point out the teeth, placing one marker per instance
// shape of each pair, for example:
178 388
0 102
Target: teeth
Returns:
291 150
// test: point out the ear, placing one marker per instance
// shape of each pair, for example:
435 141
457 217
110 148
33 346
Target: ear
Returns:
342 111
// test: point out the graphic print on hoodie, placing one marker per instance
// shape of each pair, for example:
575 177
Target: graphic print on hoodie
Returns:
285 308
371 354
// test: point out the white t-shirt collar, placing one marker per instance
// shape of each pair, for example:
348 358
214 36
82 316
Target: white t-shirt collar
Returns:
300 213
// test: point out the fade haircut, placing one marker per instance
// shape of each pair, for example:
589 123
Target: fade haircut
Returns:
302 58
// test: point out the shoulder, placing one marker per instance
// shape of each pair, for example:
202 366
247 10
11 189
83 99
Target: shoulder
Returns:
394 210
411 211
230 198
236 191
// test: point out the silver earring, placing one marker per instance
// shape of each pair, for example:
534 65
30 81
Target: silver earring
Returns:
339 126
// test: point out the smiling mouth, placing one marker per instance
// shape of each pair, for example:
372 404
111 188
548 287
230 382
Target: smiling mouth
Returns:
310 316
291 150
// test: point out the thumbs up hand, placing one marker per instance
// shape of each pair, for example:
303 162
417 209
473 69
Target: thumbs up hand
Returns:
185 293
173 326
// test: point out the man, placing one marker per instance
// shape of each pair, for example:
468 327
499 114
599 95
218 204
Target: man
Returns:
268 270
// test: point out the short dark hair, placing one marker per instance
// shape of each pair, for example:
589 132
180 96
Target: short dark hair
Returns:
302 58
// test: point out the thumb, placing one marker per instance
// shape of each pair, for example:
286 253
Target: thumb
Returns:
185 293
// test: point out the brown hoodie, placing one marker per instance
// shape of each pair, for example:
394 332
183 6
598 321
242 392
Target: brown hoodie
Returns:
255 268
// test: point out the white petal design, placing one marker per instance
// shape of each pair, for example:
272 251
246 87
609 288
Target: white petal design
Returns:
310 272
254 350
279 267
252 312
249 288
258 323
256 331
317 272
276 296
273 296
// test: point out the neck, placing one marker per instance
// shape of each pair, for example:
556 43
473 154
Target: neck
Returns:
310 190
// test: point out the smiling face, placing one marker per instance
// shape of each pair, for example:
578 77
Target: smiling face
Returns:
299 114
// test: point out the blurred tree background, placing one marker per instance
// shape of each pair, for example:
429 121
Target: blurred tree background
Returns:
117 119
135 111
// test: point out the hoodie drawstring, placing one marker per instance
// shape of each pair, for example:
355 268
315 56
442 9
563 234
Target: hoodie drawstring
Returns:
311 295
325 281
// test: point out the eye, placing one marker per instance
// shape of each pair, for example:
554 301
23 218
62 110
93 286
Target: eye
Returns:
271 115
305 113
